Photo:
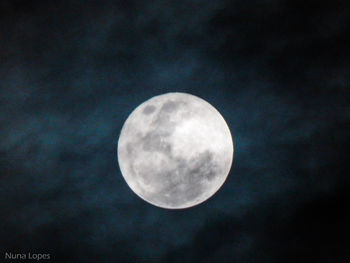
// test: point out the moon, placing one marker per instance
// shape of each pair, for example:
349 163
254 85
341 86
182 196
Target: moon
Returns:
175 150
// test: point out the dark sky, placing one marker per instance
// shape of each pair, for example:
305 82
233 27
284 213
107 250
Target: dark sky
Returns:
278 71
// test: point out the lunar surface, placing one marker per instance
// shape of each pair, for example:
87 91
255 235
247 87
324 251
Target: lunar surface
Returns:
175 150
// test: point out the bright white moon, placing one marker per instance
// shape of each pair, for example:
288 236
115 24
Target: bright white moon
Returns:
175 150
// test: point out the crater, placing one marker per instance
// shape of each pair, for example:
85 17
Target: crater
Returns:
149 109
170 106
205 166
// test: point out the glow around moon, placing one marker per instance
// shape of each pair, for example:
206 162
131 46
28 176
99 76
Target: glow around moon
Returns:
175 150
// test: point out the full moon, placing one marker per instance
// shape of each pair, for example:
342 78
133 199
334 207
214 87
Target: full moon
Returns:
175 150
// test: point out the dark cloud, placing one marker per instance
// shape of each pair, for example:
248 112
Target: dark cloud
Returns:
72 71
273 232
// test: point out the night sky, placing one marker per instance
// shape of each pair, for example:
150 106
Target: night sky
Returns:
277 70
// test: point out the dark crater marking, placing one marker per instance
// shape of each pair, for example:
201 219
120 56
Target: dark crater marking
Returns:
149 109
